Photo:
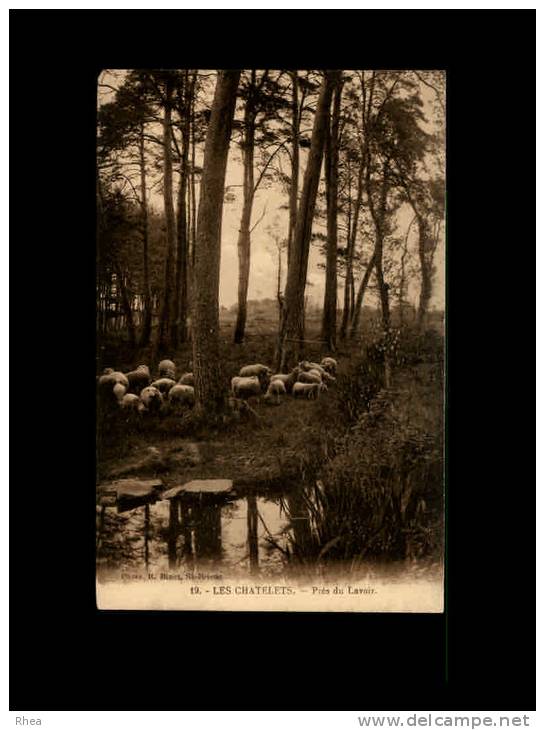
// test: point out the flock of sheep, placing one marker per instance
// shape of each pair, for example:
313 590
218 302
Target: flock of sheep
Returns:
135 390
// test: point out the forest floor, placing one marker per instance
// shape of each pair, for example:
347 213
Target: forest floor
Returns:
268 447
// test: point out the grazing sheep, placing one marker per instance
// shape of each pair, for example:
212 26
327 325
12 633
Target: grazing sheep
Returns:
151 399
118 377
257 369
119 391
309 377
275 390
308 390
245 387
325 377
139 378
187 379
288 379
107 371
111 388
181 395
163 385
130 402
328 379
167 369
330 365
306 365
106 382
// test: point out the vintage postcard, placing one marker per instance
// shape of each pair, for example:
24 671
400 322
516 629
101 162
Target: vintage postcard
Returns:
270 314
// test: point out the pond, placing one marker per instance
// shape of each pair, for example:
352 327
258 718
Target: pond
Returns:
246 533
241 535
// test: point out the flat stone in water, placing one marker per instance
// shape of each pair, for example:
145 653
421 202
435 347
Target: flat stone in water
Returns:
200 486
131 488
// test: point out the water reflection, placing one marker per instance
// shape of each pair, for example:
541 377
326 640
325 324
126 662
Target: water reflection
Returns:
194 529
297 509
253 549
248 533
237 535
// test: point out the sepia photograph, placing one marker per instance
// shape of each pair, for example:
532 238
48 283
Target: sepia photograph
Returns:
270 340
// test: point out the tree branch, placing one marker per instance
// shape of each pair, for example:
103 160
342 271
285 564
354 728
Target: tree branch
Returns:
431 86
259 179
260 219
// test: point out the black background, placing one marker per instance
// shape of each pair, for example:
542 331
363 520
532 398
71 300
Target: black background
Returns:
65 655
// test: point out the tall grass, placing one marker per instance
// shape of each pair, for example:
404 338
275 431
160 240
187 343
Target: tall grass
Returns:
380 493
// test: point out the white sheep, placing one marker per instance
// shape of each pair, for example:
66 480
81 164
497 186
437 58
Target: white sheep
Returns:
307 365
181 395
151 399
325 377
139 378
130 402
328 379
245 387
288 379
163 385
330 365
257 369
119 391
308 390
119 377
106 381
111 387
167 369
309 377
275 390
187 379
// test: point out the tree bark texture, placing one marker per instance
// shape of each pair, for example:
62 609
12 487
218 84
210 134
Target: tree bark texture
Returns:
209 388
168 293
359 298
425 253
179 326
294 184
146 324
292 319
244 235
329 319
348 309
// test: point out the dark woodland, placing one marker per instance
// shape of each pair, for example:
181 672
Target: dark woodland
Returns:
323 399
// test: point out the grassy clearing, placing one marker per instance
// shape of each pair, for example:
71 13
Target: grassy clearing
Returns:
368 462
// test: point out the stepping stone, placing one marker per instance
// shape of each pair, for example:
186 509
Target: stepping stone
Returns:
200 486
107 499
133 492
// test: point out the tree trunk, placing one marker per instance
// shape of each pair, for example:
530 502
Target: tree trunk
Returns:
279 285
346 299
294 184
126 304
179 326
209 389
425 245
359 299
244 236
348 308
146 324
167 306
329 320
192 182
292 320
403 277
